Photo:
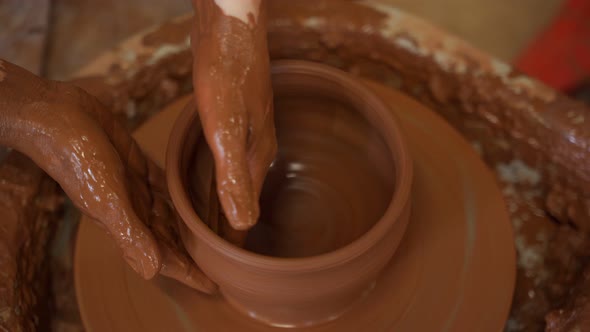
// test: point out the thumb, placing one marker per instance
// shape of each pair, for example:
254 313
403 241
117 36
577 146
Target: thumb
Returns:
118 219
114 210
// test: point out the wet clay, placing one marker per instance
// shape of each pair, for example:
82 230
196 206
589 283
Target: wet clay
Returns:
531 136
426 270
231 79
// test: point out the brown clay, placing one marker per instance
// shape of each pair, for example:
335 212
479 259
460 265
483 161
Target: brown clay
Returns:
501 112
317 288
463 279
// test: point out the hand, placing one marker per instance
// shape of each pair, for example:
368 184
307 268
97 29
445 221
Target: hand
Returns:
231 79
78 142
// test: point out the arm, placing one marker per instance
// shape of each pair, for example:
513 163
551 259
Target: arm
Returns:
231 78
71 136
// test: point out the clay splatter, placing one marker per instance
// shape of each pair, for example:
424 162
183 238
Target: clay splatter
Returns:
166 50
422 39
314 22
518 172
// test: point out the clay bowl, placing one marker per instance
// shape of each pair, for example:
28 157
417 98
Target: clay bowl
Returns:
306 276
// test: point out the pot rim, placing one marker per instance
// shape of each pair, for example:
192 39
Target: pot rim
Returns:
400 198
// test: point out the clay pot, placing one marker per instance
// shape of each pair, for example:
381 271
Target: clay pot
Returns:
301 291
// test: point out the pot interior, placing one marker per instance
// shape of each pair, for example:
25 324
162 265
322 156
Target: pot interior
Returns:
332 180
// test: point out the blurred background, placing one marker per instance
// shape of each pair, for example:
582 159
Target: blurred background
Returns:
548 39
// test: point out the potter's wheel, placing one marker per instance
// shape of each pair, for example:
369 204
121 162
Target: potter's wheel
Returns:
454 270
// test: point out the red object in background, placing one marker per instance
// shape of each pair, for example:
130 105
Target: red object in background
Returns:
560 56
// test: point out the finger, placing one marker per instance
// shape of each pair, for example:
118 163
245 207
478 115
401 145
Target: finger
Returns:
115 211
234 184
139 248
112 208
221 225
225 129
107 190
185 271
142 248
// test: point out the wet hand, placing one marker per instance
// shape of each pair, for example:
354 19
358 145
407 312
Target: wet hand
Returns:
231 79
79 143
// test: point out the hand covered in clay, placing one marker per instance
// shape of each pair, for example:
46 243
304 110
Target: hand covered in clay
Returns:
78 142
231 79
